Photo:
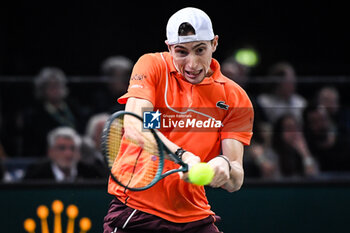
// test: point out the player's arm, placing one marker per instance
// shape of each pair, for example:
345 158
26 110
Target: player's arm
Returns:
228 167
137 106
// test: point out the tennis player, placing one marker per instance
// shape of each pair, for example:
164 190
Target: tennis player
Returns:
185 77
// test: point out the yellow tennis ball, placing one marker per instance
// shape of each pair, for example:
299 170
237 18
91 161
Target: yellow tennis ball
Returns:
247 57
201 174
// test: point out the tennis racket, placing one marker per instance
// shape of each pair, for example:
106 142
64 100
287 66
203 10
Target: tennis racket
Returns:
136 157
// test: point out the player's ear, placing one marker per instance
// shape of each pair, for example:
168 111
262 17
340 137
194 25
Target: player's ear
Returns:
167 44
215 43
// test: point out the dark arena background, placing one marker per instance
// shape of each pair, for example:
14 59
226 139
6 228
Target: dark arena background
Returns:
300 55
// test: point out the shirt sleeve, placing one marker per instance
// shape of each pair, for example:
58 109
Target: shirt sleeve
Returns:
238 123
142 84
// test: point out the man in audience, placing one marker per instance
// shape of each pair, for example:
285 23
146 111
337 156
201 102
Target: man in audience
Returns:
63 163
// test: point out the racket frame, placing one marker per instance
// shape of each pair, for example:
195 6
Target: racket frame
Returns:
162 148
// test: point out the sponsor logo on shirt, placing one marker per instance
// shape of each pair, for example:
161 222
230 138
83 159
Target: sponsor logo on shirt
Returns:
138 77
222 105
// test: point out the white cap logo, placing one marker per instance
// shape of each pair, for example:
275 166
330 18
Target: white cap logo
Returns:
198 19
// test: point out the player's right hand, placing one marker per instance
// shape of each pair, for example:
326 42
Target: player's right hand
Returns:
190 159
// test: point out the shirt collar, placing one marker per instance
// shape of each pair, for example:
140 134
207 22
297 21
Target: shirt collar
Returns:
217 75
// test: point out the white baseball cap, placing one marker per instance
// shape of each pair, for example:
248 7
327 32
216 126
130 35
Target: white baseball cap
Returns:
198 19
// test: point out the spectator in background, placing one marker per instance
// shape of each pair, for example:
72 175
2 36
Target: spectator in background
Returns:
240 74
116 73
329 98
91 150
235 71
294 156
63 161
283 98
260 161
330 149
51 111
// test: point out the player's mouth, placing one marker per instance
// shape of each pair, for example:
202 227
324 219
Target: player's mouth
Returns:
193 74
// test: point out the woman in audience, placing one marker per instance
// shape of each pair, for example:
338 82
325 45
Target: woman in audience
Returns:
295 158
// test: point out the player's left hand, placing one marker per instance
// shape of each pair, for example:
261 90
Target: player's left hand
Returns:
221 172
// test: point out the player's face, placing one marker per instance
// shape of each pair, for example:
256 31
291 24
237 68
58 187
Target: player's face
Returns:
193 59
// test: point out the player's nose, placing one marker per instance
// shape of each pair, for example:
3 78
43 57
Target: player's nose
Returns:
192 63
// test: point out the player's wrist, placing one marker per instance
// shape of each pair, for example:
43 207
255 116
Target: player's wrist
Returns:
191 158
227 160
179 152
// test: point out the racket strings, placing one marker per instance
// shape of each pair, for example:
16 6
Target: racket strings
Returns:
132 173
133 154
114 140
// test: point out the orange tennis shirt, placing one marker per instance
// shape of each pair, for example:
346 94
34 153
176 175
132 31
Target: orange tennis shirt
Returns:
156 79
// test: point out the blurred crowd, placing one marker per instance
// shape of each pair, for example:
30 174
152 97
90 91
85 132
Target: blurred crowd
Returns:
294 136
57 136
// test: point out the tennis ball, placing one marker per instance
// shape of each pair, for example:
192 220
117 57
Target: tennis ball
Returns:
247 57
201 174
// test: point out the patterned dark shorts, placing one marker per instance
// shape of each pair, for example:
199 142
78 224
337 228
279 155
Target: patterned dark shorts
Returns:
123 219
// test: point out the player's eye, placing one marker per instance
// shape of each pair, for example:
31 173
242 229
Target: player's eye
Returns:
200 50
181 52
